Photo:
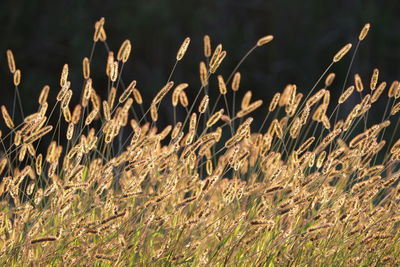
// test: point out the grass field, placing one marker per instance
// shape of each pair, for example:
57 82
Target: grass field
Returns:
307 188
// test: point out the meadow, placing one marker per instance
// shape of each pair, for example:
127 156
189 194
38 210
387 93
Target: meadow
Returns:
307 188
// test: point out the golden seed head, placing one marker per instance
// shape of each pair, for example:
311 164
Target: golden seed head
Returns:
378 92
70 131
374 79
274 102
127 92
110 63
99 33
64 76
250 108
217 63
66 99
193 121
11 61
44 94
124 51
364 32
38 134
207 46
137 96
221 85
17 77
392 89
106 111
86 68
329 79
264 40
17 138
342 52
6 116
203 74
346 94
160 95
111 97
114 71
236 81
214 118
183 99
154 112
204 104
358 83
92 115
183 48
76 114
215 55
246 99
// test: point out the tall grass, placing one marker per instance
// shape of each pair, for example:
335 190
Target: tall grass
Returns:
306 188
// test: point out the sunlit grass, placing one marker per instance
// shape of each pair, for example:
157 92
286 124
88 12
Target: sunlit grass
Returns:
306 188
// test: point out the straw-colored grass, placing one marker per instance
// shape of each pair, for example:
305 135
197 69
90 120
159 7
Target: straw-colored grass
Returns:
306 188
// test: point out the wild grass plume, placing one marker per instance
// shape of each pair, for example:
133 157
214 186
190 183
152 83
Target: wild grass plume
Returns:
308 187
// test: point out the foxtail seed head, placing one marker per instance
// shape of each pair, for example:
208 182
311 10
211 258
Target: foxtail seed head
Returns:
364 32
342 52
182 49
265 40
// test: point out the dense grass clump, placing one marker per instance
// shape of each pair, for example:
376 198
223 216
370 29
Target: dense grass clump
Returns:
306 188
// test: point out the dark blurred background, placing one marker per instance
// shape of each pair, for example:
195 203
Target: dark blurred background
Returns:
44 35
